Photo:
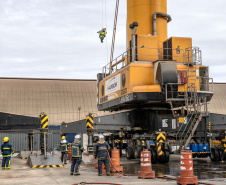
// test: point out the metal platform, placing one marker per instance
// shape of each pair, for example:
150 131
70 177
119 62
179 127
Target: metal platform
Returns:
39 161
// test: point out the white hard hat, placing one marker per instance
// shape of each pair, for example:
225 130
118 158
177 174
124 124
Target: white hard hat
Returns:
77 136
101 137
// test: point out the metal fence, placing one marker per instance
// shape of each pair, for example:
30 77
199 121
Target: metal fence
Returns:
20 141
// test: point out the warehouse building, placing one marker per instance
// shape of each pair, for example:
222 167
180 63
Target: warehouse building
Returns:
67 100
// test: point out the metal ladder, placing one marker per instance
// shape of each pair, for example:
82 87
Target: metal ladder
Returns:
192 102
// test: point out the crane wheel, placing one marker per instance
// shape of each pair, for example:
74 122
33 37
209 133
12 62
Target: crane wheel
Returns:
153 155
167 156
130 153
221 154
164 158
214 156
137 151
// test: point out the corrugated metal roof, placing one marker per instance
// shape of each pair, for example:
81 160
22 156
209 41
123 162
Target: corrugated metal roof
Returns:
61 98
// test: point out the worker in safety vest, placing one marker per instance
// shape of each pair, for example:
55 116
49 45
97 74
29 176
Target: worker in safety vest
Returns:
77 150
7 150
101 152
64 149
102 34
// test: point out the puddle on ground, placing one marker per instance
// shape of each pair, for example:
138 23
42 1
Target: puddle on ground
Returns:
203 168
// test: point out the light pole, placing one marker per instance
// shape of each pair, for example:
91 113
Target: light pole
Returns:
79 108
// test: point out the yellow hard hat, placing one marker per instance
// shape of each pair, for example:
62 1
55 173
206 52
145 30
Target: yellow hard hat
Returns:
6 139
63 137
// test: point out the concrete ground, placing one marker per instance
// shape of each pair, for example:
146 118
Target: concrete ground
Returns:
22 174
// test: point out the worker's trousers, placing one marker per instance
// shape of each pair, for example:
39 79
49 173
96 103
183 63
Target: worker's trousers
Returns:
64 157
106 164
6 162
75 163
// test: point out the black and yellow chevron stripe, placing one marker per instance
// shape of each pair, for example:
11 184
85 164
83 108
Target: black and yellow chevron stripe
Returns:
44 121
47 166
89 121
161 138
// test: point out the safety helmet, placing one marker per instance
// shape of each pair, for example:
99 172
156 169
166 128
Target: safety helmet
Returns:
63 137
78 137
6 139
101 137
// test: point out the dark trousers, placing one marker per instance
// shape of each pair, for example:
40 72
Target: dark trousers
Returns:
75 162
106 164
64 156
6 162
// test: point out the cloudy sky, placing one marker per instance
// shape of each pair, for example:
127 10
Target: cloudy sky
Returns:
58 38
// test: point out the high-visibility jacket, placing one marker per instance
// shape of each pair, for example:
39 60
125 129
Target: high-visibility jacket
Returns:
102 34
77 149
101 149
7 149
64 145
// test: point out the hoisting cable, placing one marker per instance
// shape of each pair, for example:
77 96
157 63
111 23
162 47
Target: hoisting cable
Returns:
102 13
106 28
114 33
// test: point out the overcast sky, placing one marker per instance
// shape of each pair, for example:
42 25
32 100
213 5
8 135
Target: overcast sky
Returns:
58 38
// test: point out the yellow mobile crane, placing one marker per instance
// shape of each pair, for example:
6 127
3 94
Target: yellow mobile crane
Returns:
161 81
155 69
159 91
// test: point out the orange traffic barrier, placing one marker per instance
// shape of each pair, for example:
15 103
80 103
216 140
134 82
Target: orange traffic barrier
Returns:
69 156
186 169
115 161
145 166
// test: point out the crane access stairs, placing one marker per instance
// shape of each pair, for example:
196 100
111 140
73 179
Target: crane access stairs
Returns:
192 101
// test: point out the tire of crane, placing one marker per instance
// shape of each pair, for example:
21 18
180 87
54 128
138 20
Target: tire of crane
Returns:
224 156
153 156
221 154
120 150
161 158
130 153
214 155
133 153
194 156
167 156
137 151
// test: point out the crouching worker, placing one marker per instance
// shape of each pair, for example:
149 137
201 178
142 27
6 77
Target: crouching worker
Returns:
101 152
6 150
77 150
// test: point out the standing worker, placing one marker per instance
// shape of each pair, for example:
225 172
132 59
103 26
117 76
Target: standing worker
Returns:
6 150
64 149
77 150
102 34
101 152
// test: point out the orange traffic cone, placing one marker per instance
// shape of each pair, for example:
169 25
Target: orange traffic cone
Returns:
115 160
186 169
145 166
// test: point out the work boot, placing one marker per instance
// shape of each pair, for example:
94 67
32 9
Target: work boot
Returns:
99 174
3 168
65 162
108 174
71 173
8 168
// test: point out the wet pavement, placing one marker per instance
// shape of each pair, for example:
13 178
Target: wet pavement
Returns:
203 168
